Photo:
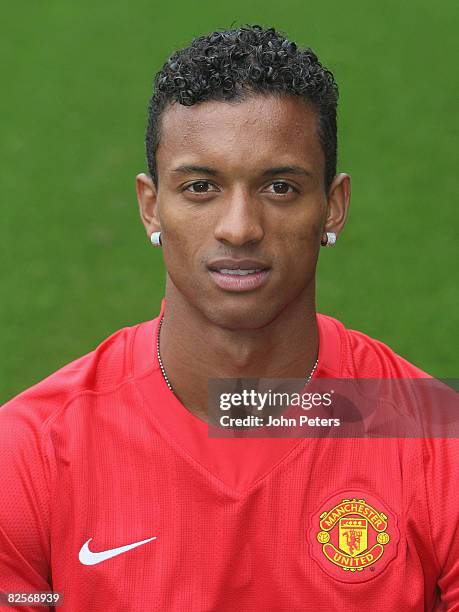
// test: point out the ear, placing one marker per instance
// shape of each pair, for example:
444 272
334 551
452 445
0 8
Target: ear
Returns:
147 198
338 201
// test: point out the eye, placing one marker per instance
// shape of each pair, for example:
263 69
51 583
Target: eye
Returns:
200 187
281 188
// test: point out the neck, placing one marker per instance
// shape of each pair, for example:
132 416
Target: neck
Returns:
194 349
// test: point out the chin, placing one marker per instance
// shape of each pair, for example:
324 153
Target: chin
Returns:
241 316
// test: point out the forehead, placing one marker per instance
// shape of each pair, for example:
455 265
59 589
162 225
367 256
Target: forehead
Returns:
241 134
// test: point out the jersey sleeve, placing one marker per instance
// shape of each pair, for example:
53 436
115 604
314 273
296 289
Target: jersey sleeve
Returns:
441 482
24 501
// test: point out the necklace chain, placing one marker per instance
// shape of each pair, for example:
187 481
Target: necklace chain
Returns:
308 379
160 360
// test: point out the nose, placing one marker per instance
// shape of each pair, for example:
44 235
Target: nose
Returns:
241 219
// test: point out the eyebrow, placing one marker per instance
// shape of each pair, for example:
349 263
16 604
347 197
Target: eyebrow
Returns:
187 169
191 169
287 170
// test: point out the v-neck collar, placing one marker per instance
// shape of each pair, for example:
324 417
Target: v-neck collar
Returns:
237 464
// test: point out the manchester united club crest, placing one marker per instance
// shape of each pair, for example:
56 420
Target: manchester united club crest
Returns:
353 536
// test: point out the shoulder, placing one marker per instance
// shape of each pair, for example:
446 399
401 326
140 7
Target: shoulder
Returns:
361 356
103 369
28 453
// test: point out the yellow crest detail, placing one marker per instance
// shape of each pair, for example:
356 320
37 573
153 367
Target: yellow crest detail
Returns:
353 523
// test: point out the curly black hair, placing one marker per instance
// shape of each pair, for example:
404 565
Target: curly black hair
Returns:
229 64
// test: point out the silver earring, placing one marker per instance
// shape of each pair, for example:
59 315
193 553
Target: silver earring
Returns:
156 239
330 240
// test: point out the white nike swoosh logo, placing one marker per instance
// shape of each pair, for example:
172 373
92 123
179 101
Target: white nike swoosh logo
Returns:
87 557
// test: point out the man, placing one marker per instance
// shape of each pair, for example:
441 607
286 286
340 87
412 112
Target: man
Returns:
114 494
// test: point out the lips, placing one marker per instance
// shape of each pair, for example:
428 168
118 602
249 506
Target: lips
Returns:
238 274
237 264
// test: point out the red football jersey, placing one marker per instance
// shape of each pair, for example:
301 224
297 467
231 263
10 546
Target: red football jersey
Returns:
114 495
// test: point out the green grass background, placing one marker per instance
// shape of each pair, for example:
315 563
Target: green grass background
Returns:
76 81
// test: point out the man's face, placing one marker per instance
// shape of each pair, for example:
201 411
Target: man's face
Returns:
241 181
